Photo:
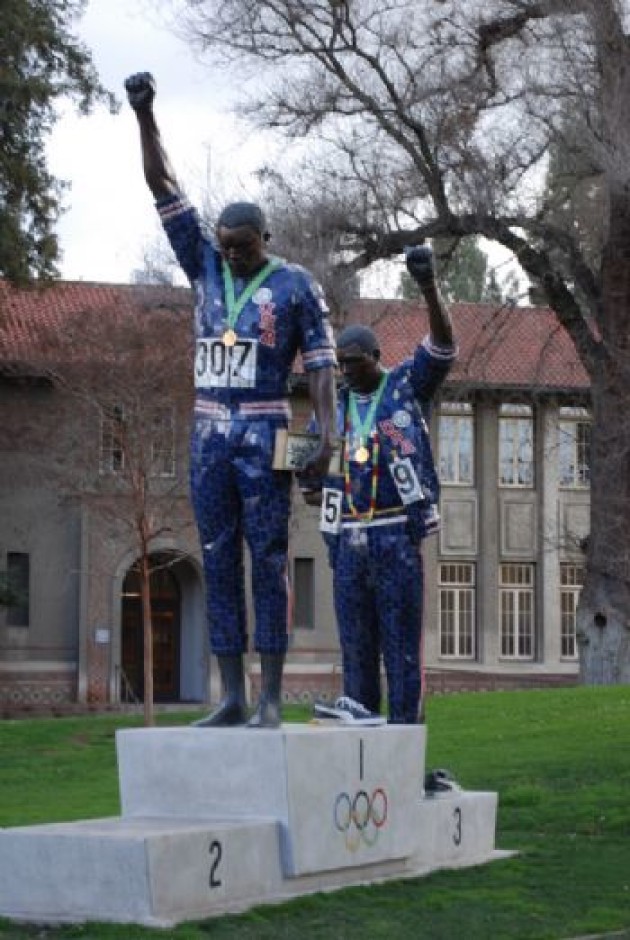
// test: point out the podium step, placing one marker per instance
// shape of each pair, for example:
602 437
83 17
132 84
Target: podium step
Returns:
222 820
142 870
340 794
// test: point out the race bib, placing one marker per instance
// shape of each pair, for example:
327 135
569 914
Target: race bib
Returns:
221 366
406 480
330 515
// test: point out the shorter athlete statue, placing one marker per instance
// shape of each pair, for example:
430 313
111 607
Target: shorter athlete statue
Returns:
376 515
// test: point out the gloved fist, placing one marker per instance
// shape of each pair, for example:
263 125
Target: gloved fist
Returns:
140 90
420 264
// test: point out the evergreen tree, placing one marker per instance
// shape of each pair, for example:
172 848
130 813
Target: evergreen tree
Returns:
41 62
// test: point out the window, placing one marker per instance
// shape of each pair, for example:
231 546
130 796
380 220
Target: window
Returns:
18 583
114 427
303 584
456 443
571 581
163 443
574 448
112 437
516 610
456 610
516 446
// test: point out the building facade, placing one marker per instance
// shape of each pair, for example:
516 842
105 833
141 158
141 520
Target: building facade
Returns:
511 439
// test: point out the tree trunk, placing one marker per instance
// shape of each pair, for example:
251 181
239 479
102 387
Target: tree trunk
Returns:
604 610
147 633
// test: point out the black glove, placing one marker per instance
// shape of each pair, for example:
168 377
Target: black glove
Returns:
420 264
140 90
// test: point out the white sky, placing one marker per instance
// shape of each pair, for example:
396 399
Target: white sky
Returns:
109 211
109 217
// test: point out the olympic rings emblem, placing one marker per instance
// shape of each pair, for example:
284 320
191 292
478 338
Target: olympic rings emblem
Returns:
360 817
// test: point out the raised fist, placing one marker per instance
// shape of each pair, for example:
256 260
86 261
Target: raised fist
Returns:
140 90
420 264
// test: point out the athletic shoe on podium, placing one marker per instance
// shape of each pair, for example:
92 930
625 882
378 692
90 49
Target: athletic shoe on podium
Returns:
347 711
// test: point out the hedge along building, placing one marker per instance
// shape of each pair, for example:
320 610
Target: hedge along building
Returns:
95 393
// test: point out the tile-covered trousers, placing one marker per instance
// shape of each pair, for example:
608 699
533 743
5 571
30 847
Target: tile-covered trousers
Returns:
378 586
236 495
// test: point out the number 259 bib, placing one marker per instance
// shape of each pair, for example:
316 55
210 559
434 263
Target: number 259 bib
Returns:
221 366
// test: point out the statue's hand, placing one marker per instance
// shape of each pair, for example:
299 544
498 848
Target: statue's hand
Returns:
420 264
140 90
318 463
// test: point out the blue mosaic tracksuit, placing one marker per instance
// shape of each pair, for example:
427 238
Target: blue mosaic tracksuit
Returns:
241 399
377 564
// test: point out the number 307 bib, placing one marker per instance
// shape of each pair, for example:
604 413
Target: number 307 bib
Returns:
221 366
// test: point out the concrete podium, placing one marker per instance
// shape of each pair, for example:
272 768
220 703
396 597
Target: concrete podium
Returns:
220 820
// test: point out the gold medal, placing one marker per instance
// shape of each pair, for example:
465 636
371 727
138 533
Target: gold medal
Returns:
229 337
361 454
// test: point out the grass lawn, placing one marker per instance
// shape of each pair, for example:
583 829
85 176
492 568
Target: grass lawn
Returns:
559 759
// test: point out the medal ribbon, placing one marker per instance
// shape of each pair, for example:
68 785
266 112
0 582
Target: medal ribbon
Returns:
376 447
366 434
235 304
364 428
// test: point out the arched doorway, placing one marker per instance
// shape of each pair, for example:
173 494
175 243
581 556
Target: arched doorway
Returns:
166 620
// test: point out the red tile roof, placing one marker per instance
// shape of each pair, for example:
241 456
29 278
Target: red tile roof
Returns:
507 346
28 316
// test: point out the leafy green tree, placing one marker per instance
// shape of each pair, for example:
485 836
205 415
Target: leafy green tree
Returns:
41 62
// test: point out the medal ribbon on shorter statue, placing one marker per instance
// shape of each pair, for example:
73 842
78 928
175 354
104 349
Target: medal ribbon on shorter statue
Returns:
235 304
363 428
375 448
367 435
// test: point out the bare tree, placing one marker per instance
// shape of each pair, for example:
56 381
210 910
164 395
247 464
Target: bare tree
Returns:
158 264
437 119
307 227
117 427
143 400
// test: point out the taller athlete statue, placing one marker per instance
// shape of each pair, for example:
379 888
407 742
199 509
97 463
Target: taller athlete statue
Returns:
253 313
